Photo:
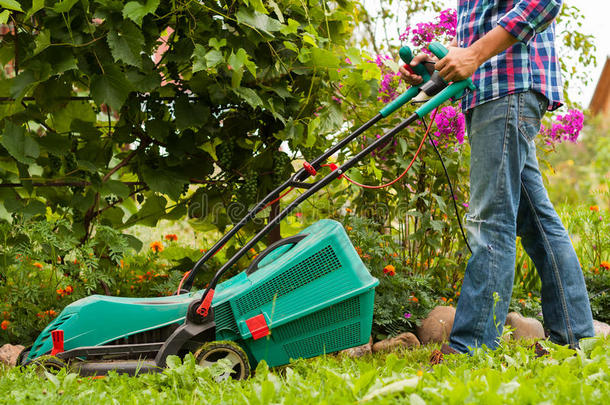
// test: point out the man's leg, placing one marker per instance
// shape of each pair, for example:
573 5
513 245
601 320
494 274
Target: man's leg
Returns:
565 303
498 155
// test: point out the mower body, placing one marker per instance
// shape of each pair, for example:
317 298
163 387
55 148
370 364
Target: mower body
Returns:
302 300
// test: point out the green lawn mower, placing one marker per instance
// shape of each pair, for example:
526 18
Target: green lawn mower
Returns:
303 296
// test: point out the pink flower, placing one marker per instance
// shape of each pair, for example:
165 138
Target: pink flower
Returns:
407 315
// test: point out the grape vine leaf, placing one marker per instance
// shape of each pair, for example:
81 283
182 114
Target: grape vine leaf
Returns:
21 146
136 11
110 88
126 44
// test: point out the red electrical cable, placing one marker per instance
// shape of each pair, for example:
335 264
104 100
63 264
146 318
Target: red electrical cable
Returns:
421 144
279 198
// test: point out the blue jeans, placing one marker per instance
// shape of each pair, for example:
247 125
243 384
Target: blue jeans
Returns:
508 198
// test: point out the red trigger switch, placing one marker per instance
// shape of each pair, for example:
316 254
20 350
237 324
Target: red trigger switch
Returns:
408 68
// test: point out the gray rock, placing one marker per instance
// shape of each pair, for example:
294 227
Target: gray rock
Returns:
9 353
437 326
358 351
524 328
403 340
601 328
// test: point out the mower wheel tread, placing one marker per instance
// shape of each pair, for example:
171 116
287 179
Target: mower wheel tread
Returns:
213 351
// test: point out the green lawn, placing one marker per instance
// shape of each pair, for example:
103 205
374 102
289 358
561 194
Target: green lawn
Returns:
510 374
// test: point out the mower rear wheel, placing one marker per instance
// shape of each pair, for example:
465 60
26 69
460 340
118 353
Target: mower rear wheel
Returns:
212 352
50 364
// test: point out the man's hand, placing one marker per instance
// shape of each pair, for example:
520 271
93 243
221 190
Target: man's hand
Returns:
412 79
458 64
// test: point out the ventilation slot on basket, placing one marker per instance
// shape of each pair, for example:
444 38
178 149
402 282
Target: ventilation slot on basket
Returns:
225 321
310 269
325 318
327 342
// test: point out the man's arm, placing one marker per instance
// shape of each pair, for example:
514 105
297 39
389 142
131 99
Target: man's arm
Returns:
521 23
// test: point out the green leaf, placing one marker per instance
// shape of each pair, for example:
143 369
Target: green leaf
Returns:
213 58
323 58
163 181
291 28
11 5
4 16
258 21
37 5
20 145
115 187
61 120
190 114
126 44
111 88
64 6
249 96
199 62
216 44
42 41
136 11
152 211
210 147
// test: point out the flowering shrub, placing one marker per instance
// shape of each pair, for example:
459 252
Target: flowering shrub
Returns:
451 126
565 128
443 28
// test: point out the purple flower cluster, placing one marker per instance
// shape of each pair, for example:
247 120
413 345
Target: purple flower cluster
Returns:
424 33
387 87
450 123
389 80
566 128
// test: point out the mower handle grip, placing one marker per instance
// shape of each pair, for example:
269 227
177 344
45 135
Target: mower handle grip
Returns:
407 56
453 91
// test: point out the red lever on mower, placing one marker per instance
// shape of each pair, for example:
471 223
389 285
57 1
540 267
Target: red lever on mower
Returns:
206 303
57 336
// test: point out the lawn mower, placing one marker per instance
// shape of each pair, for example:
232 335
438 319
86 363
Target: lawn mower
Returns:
303 296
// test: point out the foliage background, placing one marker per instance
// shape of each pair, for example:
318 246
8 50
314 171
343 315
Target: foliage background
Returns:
115 116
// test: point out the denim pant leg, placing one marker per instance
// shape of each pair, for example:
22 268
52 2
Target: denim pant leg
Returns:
565 302
498 154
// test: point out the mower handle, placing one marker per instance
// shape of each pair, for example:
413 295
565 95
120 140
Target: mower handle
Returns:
291 240
407 56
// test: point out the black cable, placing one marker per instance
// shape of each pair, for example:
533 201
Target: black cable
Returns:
457 215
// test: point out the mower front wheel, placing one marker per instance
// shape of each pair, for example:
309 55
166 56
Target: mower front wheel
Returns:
213 352
50 364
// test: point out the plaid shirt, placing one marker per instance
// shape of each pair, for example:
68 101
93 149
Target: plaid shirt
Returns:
530 63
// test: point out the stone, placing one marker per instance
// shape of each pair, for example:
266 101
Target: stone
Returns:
403 340
524 328
437 326
9 354
601 328
358 351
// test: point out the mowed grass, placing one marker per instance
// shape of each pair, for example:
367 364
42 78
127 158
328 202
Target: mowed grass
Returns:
510 375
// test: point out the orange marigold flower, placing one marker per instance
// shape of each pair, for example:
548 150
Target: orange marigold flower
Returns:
529 294
69 290
5 324
39 265
414 299
389 270
171 236
156 246
605 265
349 228
51 312
60 291
348 210
443 299
594 208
